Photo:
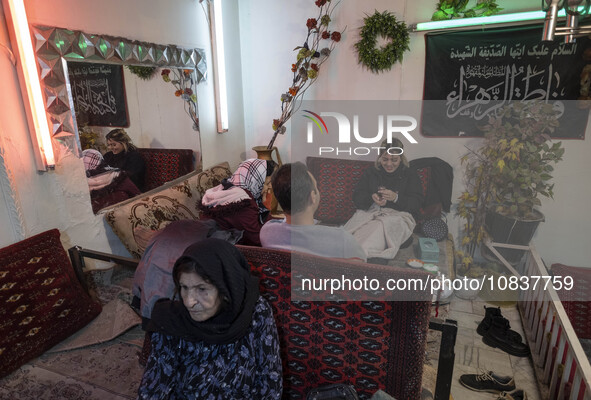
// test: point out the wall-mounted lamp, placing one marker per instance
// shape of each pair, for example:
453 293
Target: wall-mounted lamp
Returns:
219 63
20 37
520 18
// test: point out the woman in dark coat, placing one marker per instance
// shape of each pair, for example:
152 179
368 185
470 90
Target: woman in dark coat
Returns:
391 183
123 155
388 197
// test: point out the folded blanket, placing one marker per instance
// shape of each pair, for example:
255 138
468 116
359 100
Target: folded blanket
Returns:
100 181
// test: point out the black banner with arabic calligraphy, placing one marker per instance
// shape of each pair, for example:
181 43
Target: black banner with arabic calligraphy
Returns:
99 94
470 75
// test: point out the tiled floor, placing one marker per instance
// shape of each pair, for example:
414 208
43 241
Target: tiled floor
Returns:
473 356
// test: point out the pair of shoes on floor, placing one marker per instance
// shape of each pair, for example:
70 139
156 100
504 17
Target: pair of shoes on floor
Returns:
514 395
496 332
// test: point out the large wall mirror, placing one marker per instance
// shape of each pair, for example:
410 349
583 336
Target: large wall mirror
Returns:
154 116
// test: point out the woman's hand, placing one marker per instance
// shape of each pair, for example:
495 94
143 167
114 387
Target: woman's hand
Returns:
388 195
380 201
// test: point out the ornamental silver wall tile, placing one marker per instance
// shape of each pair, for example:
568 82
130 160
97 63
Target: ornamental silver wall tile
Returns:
66 124
103 47
83 46
49 96
40 37
54 46
145 53
162 55
61 41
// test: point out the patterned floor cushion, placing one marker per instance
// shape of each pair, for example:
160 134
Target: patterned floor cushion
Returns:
177 200
41 300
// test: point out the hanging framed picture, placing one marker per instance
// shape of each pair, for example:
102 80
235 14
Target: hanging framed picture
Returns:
98 91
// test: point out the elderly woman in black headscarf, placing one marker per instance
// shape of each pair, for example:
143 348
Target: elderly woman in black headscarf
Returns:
237 202
220 340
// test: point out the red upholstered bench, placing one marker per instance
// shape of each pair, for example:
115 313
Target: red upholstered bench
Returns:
42 301
165 165
369 344
576 301
337 178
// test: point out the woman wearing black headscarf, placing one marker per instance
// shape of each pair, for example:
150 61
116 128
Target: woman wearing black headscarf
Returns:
220 340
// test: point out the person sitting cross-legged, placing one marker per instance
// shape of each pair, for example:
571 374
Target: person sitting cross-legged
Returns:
297 193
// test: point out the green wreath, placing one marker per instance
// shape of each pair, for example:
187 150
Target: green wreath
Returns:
385 24
142 72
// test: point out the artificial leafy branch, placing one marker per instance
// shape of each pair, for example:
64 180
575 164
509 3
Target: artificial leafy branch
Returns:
448 9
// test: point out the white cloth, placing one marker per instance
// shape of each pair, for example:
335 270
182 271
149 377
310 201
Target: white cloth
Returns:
380 231
217 196
320 240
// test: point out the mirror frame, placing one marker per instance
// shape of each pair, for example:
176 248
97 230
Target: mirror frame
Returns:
55 46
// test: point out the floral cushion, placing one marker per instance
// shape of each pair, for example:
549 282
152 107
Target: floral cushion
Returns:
177 200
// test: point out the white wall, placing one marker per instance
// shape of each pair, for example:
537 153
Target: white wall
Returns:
60 199
267 56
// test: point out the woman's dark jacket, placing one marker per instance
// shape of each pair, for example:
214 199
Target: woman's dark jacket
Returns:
405 181
130 162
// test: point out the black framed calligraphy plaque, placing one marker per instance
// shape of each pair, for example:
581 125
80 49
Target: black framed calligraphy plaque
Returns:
98 91
471 75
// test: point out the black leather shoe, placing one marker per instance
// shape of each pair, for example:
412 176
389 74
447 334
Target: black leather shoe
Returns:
495 312
498 335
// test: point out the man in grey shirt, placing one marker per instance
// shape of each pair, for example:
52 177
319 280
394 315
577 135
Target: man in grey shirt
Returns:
297 193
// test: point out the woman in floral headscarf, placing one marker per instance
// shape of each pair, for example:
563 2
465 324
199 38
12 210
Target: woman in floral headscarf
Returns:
237 202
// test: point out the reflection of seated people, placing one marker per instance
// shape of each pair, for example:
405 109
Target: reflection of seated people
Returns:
386 197
217 339
296 191
123 154
237 202
106 186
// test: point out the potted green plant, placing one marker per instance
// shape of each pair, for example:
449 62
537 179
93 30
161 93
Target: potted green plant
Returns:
506 176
